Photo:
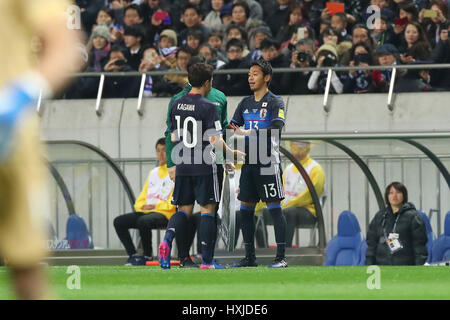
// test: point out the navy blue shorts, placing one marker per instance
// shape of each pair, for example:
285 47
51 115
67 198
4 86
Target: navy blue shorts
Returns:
204 189
259 182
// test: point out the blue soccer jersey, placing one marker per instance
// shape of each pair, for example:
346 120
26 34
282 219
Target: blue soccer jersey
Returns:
259 116
193 120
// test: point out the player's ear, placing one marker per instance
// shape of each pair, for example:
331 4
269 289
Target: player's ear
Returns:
267 78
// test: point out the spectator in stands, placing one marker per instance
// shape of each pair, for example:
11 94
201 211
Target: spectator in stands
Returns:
194 39
132 15
99 41
210 54
258 35
432 25
270 51
279 15
236 32
133 37
151 61
226 13
382 34
360 33
233 84
212 19
160 20
298 17
298 206
353 9
301 57
241 17
149 7
339 23
255 9
326 56
106 16
168 48
192 19
359 81
414 41
441 54
397 234
174 83
408 10
115 86
88 12
387 55
215 40
153 210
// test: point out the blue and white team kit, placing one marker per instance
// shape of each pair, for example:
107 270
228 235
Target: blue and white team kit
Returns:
193 119
261 176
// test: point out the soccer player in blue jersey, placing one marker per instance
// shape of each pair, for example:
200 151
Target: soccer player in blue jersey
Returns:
195 126
260 118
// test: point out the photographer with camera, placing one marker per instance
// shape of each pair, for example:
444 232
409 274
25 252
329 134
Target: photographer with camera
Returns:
327 56
301 57
359 81
119 87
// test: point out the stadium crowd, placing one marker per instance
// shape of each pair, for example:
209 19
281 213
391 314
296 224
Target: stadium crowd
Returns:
158 35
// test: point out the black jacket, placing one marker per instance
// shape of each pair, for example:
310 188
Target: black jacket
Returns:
412 235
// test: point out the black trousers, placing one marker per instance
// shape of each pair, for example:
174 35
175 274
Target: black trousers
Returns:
295 217
144 222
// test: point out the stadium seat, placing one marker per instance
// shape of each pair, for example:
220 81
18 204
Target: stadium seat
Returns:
430 234
348 247
441 246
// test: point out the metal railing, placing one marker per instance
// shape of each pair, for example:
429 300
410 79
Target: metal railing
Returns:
329 70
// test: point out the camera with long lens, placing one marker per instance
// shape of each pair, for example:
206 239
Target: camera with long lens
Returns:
303 56
329 60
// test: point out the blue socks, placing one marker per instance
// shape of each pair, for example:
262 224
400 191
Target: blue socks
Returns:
207 236
248 230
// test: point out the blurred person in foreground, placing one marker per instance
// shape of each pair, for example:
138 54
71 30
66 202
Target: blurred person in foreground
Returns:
22 173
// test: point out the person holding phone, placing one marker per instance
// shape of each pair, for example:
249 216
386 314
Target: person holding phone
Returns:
414 38
432 18
359 81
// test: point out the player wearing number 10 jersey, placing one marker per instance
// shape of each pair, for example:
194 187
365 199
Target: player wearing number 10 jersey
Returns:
262 117
195 127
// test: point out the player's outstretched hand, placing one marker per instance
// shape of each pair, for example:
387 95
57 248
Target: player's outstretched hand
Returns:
239 130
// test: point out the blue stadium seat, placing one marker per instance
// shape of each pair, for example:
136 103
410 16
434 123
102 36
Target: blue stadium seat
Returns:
441 246
348 248
430 234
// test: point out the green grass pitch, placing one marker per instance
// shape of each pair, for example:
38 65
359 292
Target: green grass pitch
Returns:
293 283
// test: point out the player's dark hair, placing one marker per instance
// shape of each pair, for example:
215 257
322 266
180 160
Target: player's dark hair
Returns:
194 60
199 73
399 187
265 66
160 142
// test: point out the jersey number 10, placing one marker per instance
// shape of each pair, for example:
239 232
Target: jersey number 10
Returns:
193 142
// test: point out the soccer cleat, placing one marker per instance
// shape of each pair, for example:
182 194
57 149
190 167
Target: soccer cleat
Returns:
188 263
279 263
213 265
136 260
164 255
246 262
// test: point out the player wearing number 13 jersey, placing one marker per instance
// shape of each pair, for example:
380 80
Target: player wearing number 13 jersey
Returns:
262 117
